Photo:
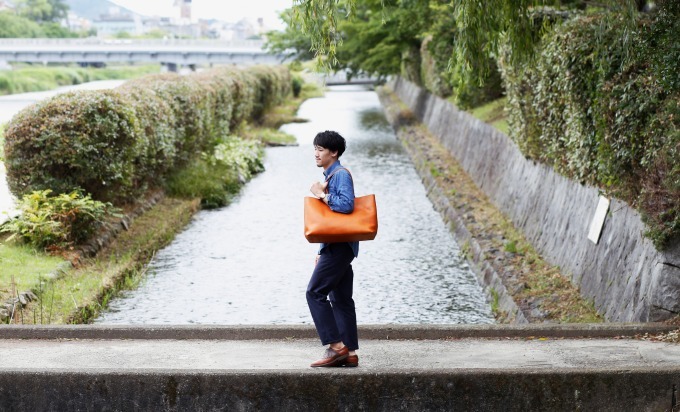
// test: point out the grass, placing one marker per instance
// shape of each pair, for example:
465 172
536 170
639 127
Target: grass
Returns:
285 112
503 245
493 113
268 136
79 295
510 247
34 79
215 185
495 305
21 267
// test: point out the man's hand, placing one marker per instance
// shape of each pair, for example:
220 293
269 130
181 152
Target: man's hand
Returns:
316 260
318 188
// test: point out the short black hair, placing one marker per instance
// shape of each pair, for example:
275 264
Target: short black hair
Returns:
331 140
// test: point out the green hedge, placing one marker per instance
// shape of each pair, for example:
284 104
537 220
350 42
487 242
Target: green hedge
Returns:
616 127
114 144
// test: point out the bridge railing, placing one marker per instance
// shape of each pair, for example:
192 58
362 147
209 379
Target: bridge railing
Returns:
126 43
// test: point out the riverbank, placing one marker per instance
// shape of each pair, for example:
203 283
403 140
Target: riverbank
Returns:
77 287
520 284
37 79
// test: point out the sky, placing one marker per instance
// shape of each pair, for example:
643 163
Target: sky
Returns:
226 10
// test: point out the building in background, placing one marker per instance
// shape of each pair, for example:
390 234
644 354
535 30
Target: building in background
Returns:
115 22
77 23
6 5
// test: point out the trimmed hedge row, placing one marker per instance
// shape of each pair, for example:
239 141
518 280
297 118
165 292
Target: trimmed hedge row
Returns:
114 144
618 128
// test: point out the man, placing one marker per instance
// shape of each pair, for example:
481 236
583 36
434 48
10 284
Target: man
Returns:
329 293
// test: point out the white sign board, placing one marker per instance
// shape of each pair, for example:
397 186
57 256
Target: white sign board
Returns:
598 220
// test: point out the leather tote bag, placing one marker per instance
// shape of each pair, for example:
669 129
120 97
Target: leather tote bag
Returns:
322 225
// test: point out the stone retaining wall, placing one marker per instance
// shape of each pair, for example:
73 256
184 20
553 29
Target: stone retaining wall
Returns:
628 279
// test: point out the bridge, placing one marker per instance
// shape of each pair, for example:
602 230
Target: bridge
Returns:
172 53
407 367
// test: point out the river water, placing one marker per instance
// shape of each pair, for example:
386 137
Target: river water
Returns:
249 263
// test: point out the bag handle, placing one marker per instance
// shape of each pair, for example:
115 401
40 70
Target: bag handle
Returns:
336 171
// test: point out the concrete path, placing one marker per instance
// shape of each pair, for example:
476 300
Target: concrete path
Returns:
450 368
375 355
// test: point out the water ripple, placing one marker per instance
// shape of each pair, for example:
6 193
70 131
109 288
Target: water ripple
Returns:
249 263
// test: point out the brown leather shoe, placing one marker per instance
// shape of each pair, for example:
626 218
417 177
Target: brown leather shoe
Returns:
332 357
352 361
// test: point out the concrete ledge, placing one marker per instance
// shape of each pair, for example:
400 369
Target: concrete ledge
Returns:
343 390
373 332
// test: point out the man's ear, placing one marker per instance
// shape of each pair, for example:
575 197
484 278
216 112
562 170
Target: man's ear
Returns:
334 154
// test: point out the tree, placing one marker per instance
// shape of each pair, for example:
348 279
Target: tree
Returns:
42 10
13 26
384 38
292 42
481 27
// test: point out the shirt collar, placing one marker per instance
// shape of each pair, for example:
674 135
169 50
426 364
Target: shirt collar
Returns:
332 168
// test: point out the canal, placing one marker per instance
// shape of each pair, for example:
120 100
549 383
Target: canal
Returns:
249 263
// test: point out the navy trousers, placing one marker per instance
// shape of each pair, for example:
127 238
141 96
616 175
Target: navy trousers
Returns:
329 296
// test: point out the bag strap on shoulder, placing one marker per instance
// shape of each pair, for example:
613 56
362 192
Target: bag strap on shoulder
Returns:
336 171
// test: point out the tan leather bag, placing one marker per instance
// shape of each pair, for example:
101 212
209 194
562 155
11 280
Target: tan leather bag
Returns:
322 225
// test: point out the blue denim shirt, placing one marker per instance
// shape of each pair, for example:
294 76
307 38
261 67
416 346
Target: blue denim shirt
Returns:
340 196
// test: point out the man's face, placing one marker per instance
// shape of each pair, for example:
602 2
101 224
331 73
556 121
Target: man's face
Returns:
324 157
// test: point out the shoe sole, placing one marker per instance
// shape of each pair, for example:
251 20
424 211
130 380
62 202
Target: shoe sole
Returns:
337 362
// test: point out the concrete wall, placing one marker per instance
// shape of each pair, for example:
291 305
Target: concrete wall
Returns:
338 390
628 279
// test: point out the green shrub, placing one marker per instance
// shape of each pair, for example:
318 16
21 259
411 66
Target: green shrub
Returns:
243 156
114 144
2 142
213 185
297 85
86 140
216 177
62 220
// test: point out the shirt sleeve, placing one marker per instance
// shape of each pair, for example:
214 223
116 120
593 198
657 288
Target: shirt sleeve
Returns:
341 192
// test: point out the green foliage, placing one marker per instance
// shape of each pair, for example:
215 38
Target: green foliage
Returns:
414 39
297 85
33 79
510 246
293 40
274 137
2 142
62 220
383 36
318 20
602 115
23 266
13 26
442 73
42 10
88 140
244 156
116 143
57 31
216 177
